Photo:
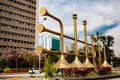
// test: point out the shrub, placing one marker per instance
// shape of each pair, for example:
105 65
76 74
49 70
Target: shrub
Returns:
77 72
103 70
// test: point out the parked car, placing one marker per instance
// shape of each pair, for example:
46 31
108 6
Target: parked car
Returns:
34 71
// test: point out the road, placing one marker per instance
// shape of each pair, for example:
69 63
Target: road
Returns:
20 75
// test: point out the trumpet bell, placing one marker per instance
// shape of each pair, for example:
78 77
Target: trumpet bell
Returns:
43 11
38 50
40 28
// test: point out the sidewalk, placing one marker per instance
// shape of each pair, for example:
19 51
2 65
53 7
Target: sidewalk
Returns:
23 79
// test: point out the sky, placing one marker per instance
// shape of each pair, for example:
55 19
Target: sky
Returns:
102 16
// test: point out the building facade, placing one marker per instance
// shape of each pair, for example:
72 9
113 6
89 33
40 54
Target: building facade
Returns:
50 42
17 24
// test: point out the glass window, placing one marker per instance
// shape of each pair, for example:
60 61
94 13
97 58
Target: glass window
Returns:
0 46
4 46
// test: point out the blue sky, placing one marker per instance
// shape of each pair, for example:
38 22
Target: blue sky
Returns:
101 15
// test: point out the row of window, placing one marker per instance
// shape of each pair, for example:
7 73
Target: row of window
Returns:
17 28
32 1
16 34
16 15
18 8
17 21
16 41
14 47
19 3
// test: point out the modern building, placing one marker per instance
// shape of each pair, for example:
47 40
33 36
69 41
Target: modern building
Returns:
50 42
17 24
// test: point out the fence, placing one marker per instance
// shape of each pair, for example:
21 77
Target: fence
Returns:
15 70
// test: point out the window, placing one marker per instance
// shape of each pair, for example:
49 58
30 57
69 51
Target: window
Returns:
15 47
15 40
24 42
21 41
1 4
5 32
18 41
10 0
0 46
27 42
4 46
15 34
28 36
12 33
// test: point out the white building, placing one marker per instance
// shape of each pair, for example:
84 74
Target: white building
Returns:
48 41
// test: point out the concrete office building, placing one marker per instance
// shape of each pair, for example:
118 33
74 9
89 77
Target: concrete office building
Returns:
17 24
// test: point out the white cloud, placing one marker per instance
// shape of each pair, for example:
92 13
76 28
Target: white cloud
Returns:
115 33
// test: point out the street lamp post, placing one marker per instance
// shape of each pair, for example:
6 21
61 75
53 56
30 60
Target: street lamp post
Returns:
39 61
39 56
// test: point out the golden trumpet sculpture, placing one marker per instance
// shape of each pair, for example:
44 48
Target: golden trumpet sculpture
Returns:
99 52
105 63
62 63
44 12
93 49
41 28
87 63
76 62
41 50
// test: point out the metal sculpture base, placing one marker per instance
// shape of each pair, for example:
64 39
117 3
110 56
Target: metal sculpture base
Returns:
76 63
62 63
106 64
88 64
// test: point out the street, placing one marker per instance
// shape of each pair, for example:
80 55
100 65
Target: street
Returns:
20 75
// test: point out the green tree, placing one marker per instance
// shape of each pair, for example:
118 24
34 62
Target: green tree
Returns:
116 61
81 51
108 41
49 67
69 58
53 57
30 59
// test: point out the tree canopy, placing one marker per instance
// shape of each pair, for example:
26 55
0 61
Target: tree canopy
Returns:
18 58
108 41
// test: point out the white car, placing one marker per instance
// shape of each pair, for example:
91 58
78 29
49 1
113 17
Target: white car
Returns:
34 71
